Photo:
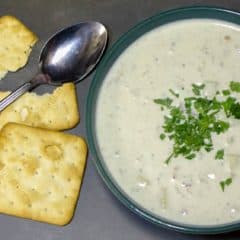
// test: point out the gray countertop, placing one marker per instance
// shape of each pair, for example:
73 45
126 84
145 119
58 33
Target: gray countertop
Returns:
98 216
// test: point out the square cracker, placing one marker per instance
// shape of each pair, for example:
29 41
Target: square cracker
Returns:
16 42
57 111
40 173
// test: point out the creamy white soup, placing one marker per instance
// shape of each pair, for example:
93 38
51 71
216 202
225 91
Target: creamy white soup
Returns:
165 63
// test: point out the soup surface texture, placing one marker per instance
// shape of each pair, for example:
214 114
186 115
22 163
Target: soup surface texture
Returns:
164 62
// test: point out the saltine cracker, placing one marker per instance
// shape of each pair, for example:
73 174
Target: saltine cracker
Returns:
16 42
57 110
40 173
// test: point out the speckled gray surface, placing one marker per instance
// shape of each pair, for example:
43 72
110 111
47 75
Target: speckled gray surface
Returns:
99 216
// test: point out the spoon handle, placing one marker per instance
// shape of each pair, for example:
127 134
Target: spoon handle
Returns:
37 80
15 94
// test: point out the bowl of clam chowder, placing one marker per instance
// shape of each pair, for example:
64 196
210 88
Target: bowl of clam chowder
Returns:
163 119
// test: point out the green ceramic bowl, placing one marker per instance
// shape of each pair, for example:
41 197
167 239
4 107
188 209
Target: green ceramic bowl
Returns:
108 60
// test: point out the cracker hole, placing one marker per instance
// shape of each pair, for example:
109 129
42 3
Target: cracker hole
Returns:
11 203
45 209
65 196
49 192
69 179
19 169
36 172
52 176
2 165
60 212
29 205
76 148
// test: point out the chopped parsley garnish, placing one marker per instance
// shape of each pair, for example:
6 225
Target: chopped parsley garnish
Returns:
219 154
235 86
162 136
197 88
174 93
231 107
165 102
225 183
191 128
235 110
191 125
226 92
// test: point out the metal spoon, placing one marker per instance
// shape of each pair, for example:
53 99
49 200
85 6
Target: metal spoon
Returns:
68 56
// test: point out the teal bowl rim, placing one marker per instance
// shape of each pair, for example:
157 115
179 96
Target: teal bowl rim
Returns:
192 12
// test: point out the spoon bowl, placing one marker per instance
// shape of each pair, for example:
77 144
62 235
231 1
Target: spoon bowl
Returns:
68 56
73 52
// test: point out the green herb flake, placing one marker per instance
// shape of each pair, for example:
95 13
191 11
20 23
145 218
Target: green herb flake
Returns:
174 93
235 110
219 154
169 159
197 89
226 92
227 105
191 156
162 136
166 102
235 86
225 183
231 107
